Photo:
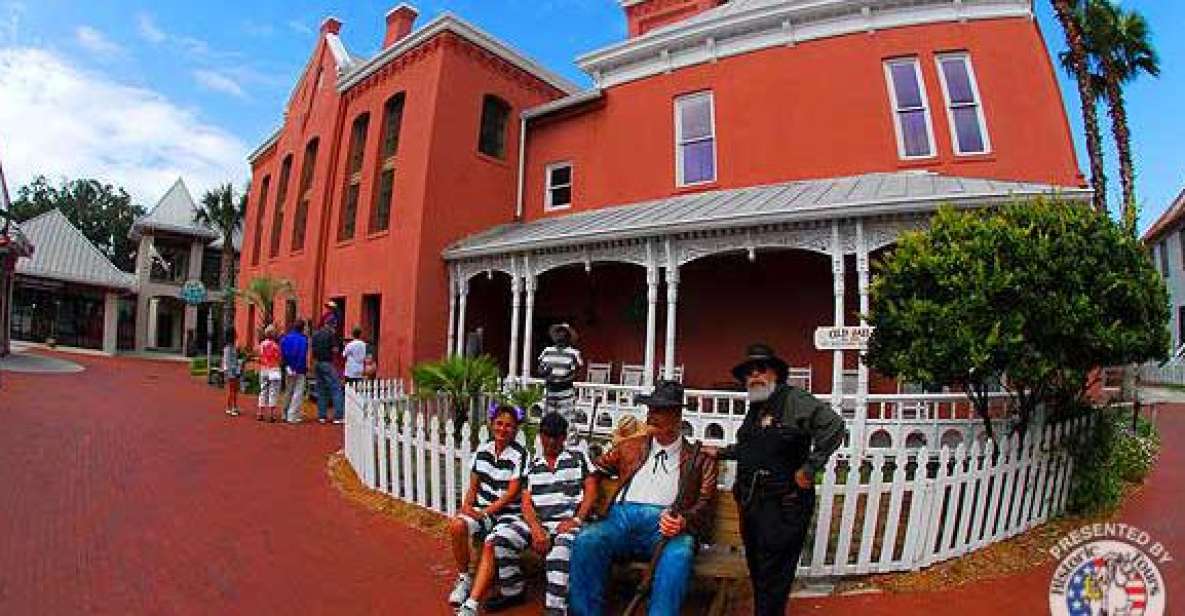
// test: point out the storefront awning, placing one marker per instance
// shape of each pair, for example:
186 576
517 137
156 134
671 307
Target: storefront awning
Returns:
798 201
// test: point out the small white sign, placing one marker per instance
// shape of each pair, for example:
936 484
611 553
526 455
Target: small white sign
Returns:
842 338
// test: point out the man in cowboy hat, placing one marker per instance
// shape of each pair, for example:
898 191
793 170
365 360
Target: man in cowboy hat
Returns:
558 364
786 437
666 490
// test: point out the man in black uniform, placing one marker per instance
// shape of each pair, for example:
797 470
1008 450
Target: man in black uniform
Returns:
786 437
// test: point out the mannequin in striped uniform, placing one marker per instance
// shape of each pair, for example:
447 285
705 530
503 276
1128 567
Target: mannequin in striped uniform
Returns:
559 364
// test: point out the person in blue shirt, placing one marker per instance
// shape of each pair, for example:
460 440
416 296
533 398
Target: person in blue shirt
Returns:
294 348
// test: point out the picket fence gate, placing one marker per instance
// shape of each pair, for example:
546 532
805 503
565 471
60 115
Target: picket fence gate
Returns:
893 509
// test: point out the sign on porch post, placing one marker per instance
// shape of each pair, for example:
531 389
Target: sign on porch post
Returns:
842 338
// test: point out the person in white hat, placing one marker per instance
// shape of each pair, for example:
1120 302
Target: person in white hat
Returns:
558 364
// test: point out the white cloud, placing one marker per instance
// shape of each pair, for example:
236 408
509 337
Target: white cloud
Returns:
256 29
96 42
299 27
219 83
58 120
148 29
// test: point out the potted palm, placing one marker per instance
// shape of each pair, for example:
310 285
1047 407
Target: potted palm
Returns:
461 381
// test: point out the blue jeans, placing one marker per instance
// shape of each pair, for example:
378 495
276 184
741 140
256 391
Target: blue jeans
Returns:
328 385
630 531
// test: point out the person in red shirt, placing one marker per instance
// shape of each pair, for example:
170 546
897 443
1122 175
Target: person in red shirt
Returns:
269 375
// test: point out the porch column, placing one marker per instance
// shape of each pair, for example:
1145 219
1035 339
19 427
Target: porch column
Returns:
463 289
651 313
672 310
529 283
861 427
837 290
111 322
452 314
516 304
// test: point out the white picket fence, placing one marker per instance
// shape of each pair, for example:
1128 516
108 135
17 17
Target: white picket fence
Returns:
1172 373
894 509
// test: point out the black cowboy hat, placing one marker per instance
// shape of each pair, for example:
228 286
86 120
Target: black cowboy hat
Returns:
666 394
558 327
761 354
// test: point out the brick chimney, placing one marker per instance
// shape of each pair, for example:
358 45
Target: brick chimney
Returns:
400 21
646 15
331 25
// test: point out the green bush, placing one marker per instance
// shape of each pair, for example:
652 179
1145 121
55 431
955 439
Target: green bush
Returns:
250 382
198 366
1108 457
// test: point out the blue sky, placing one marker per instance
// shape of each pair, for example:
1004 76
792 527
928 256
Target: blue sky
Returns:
140 92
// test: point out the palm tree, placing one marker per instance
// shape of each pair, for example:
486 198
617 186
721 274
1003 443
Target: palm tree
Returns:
461 380
1117 43
264 291
223 213
1075 61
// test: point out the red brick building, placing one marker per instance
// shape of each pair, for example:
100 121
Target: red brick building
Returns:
736 165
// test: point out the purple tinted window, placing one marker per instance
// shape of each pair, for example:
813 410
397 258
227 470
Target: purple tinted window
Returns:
905 85
958 82
967 128
698 162
695 117
913 133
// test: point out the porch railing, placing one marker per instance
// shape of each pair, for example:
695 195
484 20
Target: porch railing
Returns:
890 508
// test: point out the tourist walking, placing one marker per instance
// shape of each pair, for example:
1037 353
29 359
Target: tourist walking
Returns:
493 494
294 347
558 364
269 374
232 371
786 437
326 345
355 356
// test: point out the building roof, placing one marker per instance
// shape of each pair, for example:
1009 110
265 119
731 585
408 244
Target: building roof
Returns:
743 26
1169 220
64 253
174 214
803 200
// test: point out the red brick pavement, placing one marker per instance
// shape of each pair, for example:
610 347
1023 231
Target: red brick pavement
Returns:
126 490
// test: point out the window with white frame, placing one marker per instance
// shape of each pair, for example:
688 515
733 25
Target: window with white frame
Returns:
559 186
911 112
967 124
695 139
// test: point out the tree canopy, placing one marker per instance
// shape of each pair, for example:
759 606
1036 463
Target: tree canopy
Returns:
1037 294
104 213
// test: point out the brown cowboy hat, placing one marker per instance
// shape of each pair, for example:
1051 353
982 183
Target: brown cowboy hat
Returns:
666 395
761 354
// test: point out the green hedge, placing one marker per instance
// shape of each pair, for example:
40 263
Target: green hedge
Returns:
1108 458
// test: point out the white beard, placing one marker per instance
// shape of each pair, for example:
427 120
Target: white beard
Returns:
760 392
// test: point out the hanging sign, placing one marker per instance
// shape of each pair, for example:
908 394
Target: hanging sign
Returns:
193 292
842 338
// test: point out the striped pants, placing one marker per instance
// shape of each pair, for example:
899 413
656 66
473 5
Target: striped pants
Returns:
509 538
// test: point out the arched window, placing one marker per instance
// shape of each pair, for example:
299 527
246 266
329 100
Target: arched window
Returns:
495 113
257 245
281 195
380 211
300 220
349 211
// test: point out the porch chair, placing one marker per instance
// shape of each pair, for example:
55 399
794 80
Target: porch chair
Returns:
676 374
631 374
599 372
800 377
913 409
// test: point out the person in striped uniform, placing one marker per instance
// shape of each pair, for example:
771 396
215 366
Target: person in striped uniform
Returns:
558 364
493 495
559 494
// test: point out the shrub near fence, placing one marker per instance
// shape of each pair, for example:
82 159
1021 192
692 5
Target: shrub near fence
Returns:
894 509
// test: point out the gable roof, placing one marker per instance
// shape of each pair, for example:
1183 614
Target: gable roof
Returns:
173 213
796 201
1169 220
64 253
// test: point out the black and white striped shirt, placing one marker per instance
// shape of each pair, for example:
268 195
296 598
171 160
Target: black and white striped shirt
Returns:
557 494
559 365
494 473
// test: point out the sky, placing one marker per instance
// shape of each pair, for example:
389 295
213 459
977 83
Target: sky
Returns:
139 93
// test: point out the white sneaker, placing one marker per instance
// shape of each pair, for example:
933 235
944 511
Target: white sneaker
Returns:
468 608
461 590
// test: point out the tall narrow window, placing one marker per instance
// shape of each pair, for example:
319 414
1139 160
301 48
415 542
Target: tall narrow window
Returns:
1181 245
281 195
695 139
1164 258
349 212
380 211
308 167
915 135
559 186
967 124
257 245
495 113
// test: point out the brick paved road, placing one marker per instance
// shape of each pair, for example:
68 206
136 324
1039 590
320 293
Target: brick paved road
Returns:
126 490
